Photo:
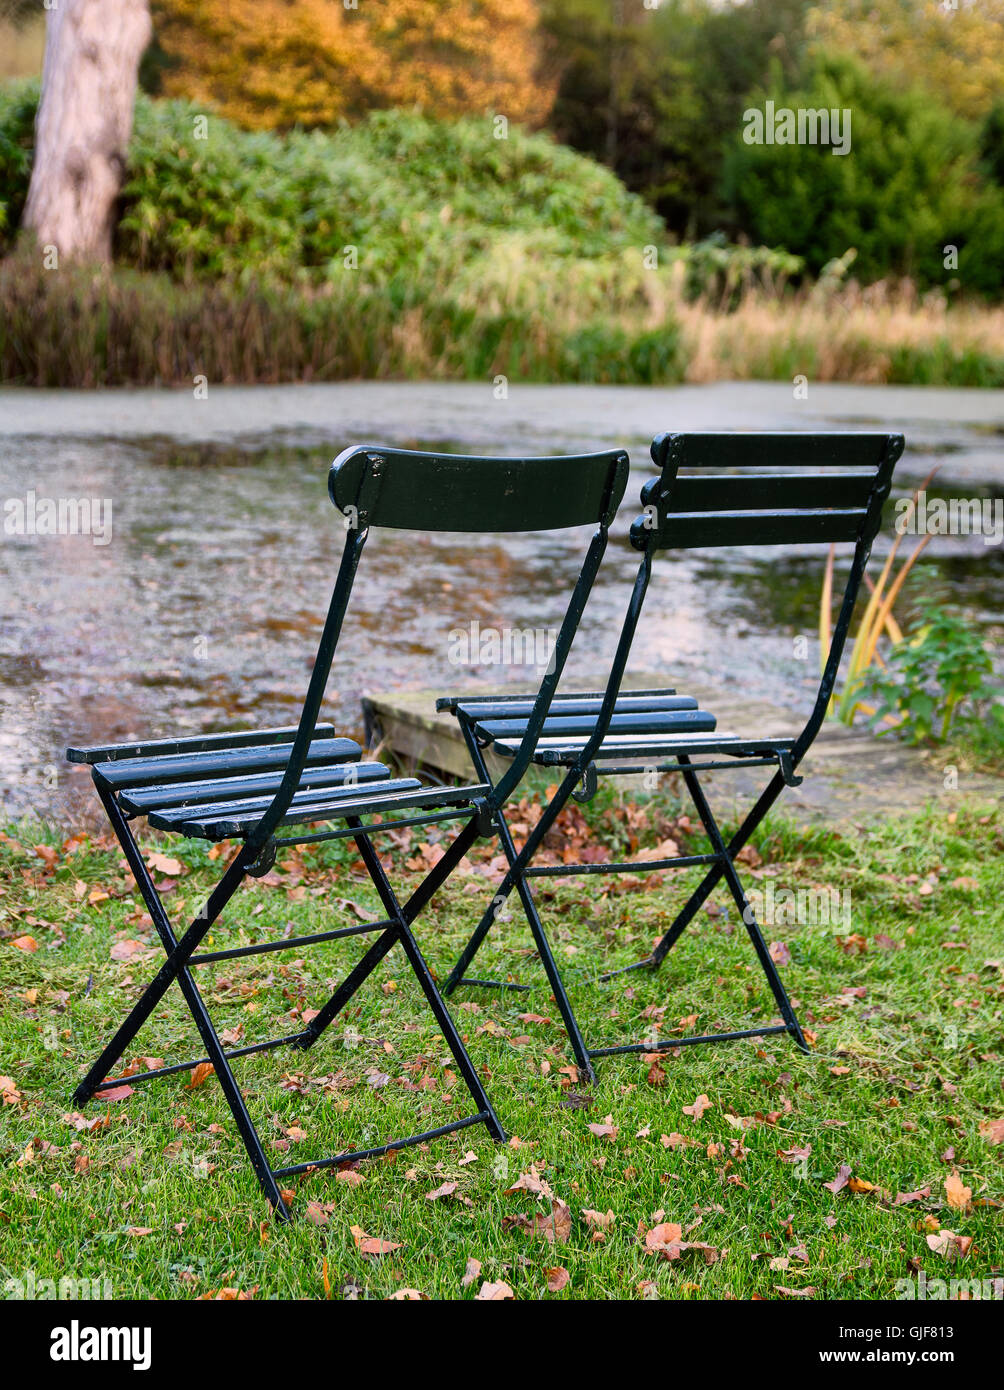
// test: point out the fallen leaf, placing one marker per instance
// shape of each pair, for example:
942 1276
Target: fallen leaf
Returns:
959 1196
407 1296
371 1245
125 950
902 1198
666 1235
557 1278
199 1074
992 1131
471 1272
24 943
446 1190
841 1180
531 1181
698 1108
494 1293
950 1245
164 864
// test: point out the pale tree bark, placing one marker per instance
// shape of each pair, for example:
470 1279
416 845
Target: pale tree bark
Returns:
92 54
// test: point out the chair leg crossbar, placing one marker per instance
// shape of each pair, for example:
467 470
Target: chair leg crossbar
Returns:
182 955
722 865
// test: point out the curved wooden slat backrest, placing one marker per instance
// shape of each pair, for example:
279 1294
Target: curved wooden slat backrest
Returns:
411 490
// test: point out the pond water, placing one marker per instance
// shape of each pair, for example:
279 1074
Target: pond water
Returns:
202 610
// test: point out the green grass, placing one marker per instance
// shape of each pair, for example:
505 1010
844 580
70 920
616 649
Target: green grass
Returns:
906 1067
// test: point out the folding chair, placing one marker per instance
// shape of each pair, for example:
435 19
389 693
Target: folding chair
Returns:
712 490
246 786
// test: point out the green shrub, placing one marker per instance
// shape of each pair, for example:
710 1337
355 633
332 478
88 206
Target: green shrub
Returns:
18 102
938 680
409 193
910 185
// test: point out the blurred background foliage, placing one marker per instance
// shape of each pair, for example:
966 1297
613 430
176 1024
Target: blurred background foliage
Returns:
620 228
655 92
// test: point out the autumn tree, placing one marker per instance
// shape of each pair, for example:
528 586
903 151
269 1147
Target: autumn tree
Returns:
954 50
92 54
275 64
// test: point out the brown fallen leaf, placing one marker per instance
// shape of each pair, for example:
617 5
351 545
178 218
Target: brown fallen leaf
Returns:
841 1180
349 1177
24 943
531 1181
316 1214
860 1185
407 1296
164 864
674 1140
598 1220
949 1245
902 1198
795 1154
116 1093
199 1074
446 1190
494 1293
125 950
992 1131
607 1130
667 1233
371 1245
139 1230
808 1292
959 1196
471 1272
700 1105
557 1278
556 1228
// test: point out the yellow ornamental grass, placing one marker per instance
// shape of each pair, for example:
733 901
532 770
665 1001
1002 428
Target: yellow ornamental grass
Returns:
273 64
877 618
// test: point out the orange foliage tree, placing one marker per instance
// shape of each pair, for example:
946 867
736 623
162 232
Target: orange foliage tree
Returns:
279 63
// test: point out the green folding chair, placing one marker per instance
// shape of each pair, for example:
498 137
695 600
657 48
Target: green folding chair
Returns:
252 786
712 490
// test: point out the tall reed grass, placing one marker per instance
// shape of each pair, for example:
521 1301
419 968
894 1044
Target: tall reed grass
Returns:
511 311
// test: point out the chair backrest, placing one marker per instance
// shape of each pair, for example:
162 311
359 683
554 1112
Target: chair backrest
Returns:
411 490
765 489
415 491
758 489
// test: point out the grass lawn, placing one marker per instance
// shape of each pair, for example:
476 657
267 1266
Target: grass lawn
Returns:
830 1176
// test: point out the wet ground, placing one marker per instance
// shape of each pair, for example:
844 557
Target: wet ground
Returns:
203 609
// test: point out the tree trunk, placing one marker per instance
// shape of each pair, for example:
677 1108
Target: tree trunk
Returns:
92 54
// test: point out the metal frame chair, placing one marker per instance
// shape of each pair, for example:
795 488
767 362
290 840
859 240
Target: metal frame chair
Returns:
712 490
247 786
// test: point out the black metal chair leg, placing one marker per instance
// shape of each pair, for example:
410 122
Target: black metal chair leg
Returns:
745 910
402 933
155 991
516 878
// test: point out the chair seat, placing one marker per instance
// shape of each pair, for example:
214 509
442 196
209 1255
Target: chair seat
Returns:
239 819
219 787
647 724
